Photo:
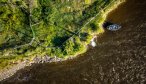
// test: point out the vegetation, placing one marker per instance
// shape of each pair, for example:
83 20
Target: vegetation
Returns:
46 27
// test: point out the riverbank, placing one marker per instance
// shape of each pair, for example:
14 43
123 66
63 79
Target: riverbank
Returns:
38 59
118 58
103 15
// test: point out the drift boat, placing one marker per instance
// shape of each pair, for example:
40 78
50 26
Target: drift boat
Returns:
113 27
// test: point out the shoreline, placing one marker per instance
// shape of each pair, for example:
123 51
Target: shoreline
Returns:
95 35
8 72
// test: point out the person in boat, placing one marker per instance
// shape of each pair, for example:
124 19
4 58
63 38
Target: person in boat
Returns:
111 26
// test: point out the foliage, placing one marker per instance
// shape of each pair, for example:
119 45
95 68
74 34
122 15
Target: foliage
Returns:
46 27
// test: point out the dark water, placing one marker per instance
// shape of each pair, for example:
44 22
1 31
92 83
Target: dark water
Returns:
119 58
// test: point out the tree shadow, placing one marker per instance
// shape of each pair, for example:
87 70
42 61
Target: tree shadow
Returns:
57 41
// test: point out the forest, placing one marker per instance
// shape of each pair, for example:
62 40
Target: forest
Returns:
61 28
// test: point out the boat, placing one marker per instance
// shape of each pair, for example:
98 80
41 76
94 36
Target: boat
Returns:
93 43
113 27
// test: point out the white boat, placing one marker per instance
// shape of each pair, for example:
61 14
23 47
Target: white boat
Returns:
113 27
93 43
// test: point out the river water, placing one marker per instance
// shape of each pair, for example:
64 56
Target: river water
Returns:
118 58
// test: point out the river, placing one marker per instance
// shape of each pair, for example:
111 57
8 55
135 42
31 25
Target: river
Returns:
118 58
